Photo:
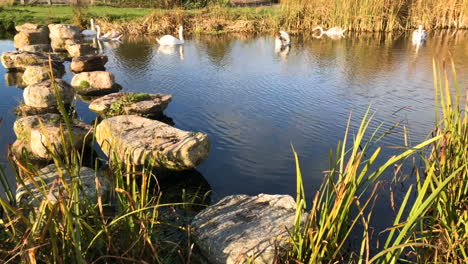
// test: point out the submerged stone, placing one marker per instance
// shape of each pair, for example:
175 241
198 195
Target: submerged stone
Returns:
240 228
42 95
141 140
94 83
131 104
48 180
88 63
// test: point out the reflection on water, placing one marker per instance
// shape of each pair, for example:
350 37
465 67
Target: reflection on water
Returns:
254 101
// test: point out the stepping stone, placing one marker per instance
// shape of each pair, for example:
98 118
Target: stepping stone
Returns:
241 227
31 34
38 73
41 140
37 48
42 95
49 177
140 140
141 104
95 83
88 63
76 50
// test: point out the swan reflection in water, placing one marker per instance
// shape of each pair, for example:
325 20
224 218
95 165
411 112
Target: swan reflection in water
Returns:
101 45
171 50
282 52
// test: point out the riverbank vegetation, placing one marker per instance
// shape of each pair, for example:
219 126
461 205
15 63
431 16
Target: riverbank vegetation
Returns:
162 17
431 222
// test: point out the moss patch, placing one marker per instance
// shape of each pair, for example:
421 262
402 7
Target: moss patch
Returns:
84 84
118 107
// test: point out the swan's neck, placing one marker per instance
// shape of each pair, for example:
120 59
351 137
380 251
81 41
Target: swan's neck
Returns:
320 29
98 33
92 24
181 34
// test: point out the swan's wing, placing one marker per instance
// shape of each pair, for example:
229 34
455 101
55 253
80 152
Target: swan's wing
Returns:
168 40
107 35
88 32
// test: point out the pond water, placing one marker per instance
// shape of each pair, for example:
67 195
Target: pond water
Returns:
254 103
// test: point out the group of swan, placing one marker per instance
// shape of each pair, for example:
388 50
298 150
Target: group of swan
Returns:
109 36
282 41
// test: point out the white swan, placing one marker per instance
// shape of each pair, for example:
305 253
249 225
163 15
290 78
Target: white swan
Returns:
89 32
169 40
110 38
419 35
334 31
283 39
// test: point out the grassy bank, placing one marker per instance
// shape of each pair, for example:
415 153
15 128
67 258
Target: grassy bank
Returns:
292 15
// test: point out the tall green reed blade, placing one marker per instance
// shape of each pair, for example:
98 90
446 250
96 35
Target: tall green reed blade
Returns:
344 189
435 228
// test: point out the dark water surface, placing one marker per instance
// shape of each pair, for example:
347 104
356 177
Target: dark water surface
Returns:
254 103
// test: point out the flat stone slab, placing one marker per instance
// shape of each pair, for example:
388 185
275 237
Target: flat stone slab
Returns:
88 63
42 95
94 83
37 48
141 140
131 104
49 178
241 227
19 60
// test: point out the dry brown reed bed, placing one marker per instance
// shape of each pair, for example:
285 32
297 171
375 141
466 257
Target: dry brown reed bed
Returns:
212 21
375 15
303 15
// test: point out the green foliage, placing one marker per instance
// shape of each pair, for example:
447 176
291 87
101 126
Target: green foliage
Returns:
433 228
118 107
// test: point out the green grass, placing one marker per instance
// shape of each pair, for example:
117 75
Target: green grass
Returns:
17 15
